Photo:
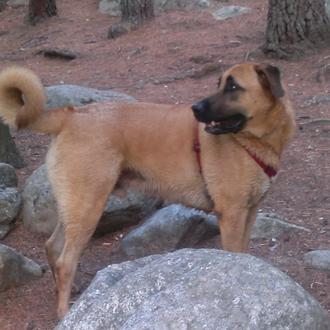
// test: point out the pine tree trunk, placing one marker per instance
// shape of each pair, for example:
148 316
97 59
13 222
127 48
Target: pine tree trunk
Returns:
39 9
136 11
8 150
133 14
294 25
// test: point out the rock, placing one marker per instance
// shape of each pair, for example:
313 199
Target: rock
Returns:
17 3
230 11
58 53
112 7
10 199
176 227
270 225
62 95
195 289
126 211
170 228
318 259
39 210
8 177
9 153
15 269
10 203
40 213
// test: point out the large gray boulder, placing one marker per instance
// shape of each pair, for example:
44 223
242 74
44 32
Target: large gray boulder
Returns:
177 226
15 269
195 289
39 210
63 95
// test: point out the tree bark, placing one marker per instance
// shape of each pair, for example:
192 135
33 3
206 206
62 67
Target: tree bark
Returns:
136 11
8 150
133 14
39 9
296 25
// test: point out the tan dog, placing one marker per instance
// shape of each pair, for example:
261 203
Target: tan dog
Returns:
223 162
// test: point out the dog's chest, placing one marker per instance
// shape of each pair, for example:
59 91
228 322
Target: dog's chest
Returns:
259 190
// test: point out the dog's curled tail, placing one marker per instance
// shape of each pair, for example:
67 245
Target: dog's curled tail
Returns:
22 102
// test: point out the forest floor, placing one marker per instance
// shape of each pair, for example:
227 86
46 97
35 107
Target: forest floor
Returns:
153 64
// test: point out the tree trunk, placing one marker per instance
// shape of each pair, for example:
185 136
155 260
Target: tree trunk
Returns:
136 11
133 14
39 9
295 25
8 150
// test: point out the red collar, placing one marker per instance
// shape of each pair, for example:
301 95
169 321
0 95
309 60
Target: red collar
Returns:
269 170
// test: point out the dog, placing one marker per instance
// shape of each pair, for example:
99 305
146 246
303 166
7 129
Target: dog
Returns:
219 155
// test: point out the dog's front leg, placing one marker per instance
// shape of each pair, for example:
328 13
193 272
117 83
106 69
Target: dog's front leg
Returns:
233 225
250 220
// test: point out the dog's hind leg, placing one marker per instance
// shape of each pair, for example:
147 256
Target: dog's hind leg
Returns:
81 200
54 246
80 223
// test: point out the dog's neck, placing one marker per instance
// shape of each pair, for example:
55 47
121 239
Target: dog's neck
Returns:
259 149
253 148
270 146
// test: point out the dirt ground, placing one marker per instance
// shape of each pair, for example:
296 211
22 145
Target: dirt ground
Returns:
153 64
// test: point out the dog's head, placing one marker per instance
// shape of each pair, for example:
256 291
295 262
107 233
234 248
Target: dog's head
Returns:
246 94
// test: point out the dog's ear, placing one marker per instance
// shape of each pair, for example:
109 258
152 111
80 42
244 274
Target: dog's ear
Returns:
270 77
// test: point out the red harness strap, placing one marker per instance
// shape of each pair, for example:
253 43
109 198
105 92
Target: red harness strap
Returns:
197 149
269 170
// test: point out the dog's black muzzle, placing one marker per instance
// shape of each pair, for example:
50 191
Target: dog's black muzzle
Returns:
200 110
218 120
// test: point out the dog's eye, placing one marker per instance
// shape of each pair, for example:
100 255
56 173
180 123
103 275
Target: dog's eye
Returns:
231 87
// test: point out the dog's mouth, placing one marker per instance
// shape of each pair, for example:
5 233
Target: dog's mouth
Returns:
231 124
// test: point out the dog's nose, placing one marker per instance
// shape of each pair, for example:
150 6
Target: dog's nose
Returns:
199 107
